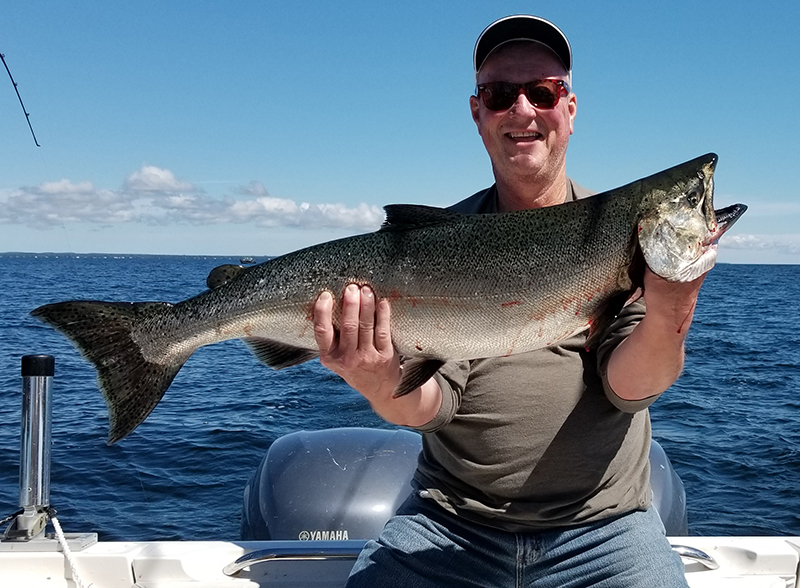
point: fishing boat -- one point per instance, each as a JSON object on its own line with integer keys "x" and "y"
{"x": 308, "y": 509}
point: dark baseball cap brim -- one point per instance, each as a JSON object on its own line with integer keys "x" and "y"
{"x": 522, "y": 27}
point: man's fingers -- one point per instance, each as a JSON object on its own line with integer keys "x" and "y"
{"x": 364, "y": 328}
{"x": 366, "y": 319}
{"x": 350, "y": 322}
{"x": 323, "y": 323}
{"x": 383, "y": 332}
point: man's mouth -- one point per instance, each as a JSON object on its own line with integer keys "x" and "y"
{"x": 524, "y": 135}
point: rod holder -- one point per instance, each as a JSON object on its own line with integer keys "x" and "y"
{"x": 35, "y": 446}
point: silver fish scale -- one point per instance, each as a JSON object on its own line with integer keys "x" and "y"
{"x": 478, "y": 286}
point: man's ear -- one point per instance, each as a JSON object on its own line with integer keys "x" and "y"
{"x": 475, "y": 106}
{"x": 573, "y": 112}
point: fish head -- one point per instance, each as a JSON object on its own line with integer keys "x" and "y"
{"x": 678, "y": 228}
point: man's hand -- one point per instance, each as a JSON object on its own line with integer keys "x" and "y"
{"x": 364, "y": 356}
{"x": 672, "y": 302}
{"x": 651, "y": 358}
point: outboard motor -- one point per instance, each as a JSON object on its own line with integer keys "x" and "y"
{"x": 669, "y": 495}
{"x": 333, "y": 484}
{"x": 340, "y": 484}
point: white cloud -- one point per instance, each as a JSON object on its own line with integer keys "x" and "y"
{"x": 782, "y": 244}
{"x": 268, "y": 211}
{"x": 65, "y": 186}
{"x": 153, "y": 195}
{"x": 54, "y": 203}
{"x": 155, "y": 179}
{"x": 265, "y": 207}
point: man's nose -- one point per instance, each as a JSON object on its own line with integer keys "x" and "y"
{"x": 522, "y": 105}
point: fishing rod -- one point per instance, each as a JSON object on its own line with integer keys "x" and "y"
{"x": 27, "y": 114}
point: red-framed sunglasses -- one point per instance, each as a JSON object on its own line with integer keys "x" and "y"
{"x": 542, "y": 94}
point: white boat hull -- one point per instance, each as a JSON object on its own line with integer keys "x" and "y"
{"x": 752, "y": 562}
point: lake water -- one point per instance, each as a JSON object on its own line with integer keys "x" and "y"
{"x": 731, "y": 424}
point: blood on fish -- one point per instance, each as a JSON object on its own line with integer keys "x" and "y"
{"x": 590, "y": 324}
{"x": 511, "y": 303}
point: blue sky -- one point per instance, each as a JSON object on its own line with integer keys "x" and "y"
{"x": 256, "y": 128}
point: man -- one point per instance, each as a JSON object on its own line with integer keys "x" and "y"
{"x": 534, "y": 469}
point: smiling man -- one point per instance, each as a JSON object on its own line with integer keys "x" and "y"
{"x": 526, "y": 142}
{"x": 534, "y": 469}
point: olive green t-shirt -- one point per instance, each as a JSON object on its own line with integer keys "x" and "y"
{"x": 537, "y": 440}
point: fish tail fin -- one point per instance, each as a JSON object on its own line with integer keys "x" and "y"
{"x": 131, "y": 385}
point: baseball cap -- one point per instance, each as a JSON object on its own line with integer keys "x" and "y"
{"x": 522, "y": 27}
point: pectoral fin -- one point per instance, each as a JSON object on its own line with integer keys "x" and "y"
{"x": 415, "y": 373}
{"x": 278, "y": 355}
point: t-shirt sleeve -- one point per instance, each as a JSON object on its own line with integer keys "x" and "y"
{"x": 622, "y": 326}
{"x": 452, "y": 379}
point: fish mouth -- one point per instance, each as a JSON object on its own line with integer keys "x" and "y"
{"x": 725, "y": 218}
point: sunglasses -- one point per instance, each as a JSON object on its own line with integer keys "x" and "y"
{"x": 542, "y": 94}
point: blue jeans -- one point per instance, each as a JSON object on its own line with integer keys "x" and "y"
{"x": 423, "y": 546}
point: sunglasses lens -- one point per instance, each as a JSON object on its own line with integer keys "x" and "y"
{"x": 543, "y": 94}
{"x": 500, "y": 95}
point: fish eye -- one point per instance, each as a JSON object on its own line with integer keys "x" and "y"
{"x": 693, "y": 198}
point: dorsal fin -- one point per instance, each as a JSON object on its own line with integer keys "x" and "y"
{"x": 411, "y": 216}
{"x": 222, "y": 274}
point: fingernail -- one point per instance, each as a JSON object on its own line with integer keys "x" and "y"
{"x": 367, "y": 291}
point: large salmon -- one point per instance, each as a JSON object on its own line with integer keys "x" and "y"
{"x": 461, "y": 287}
